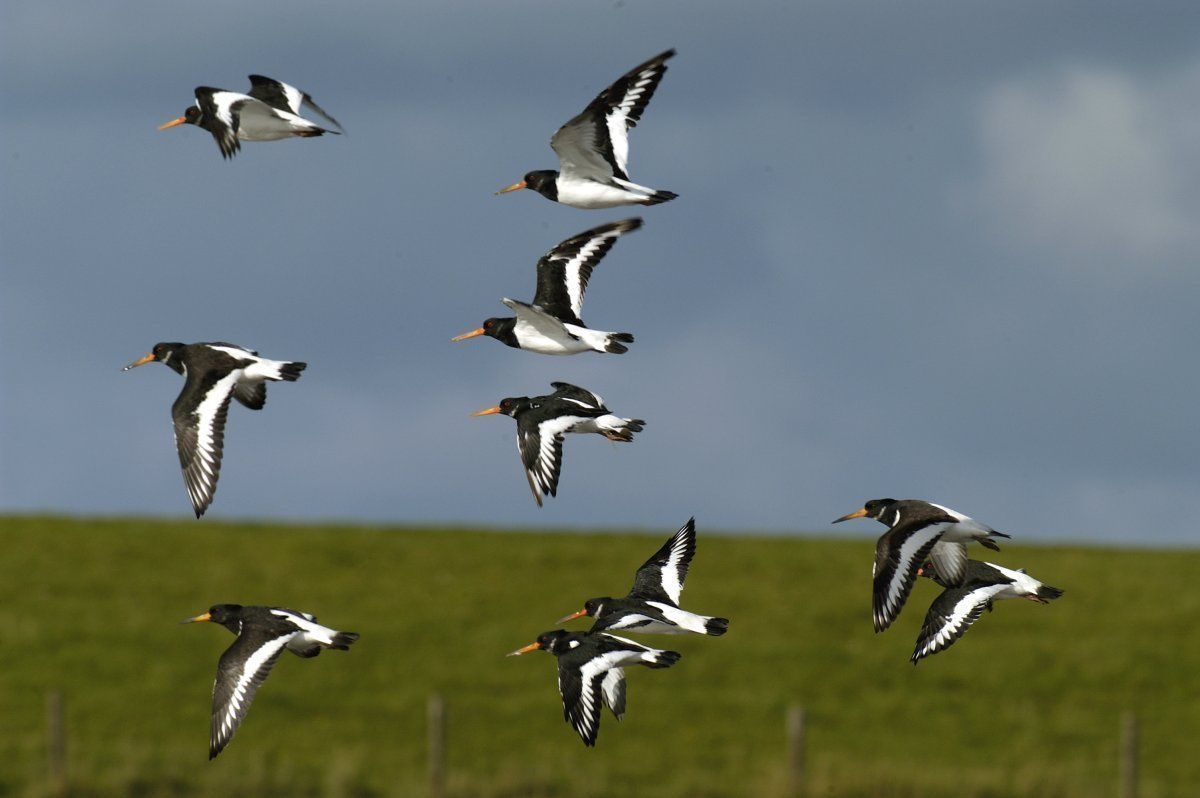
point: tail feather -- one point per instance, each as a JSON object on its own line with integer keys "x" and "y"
{"x": 1047, "y": 593}
{"x": 342, "y": 640}
{"x": 716, "y": 626}
{"x": 291, "y": 371}
{"x": 664, "y": 659}
{"x": 624, "y": 433}
{"x": 612, "y": 346}
{"x": 659, "y": 197}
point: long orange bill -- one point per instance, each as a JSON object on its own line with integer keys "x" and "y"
{"x": 172, "y": 123}
{"x": 855, "y": 514}
{"x": 488, "y": 412}
{"x": 513, "y": 187}
{"x": 140, "y": 361}
{"x": 572, "y": 616}
{"x": 205, "y": 617}
{"x": 467, "y": 335}
{"x": 524, "y": 650}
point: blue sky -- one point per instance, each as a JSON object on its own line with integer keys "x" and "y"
{"x": 922, "y": 250}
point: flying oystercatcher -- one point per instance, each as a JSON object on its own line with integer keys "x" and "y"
{"x": 962, "y": 603}
{"x": 213, "y": 372}
{"x": 262, "y": 635}
{"x": 590, "y": 670}
{"x": 653, "y": 603}
{"x": 593, "y": 148}
{"x": 552, "y": 324}
{"x": 270, "y": 111}
{"x": 543, "y": 420}
{"x": 917, "y": 530}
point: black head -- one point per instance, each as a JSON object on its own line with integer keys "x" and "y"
{"x": 502, "y": 329}
{"x": 227, "y": 615}
{"x": 872, "y": 509}
{"x": 165, "y": 353}
{"x": 555, "y": 642}
{"x": 541, "y": 181}
{"x": 192, "y": 116}
{"x": 509, "y": 406}
{"x": 593, "y": 607}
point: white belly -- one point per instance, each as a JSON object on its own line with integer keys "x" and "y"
{"x": 590, "y": 194}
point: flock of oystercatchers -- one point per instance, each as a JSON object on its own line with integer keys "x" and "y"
{"x": 923, "y": 539}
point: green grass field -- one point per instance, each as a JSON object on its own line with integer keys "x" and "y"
{"x": 1027, "y": 704}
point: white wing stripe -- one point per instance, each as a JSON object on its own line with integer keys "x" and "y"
{"x": 253, "y": 664}
{"x": 908, "y": 550}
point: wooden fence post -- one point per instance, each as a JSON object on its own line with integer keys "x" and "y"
{"x": 1128, "y": 754}
{"x": 56, "y": 742}
{"x": 436, "y": 713}
{"x": 795, "y": 748}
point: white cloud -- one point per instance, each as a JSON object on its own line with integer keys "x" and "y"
{"x": 1093, "y": 164}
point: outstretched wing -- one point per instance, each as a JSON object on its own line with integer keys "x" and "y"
{"x": 199, "y": 415}
{"x": 595, "y": 144}
{"x": 563, "y": 272}
{"x": 898, "y": 554}
{"x": 242, "y": 668}
{"x": 285, "y": 97}
{"x": 661, "y": 577}
{"x": 540, "y": 445}
{"x": 220, "y": 110}
{"x": 951, "y": 614}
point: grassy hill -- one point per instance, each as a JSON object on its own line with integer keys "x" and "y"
{"x": 1027, "y": 704}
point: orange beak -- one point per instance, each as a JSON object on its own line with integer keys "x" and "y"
{"x": 205, "y": 617}
{"x": 173, "y": 123}
{"x": 524, "y": 650}
{"x": 513, "y": 187}
{"x": 488, "y": 412}
{"x": 140, "y": 361}
{"x": 855, "y": 514}
{"x": 573, "y": 616}
{"x": 467, "y": 335}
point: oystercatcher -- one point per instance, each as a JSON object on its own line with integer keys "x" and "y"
{"x": 962, "y": 603}
{"x": 653, "y": 603}
{"x": 915, "y": 528}
{"x": 213, "y": 372}
{"x": 590, "y": 671}
{"x": 270, "y": 111}
{"x": 593, "y": 148}
{"x": 262, "y": 635}
{"x": 543, "y": 420}
{"x": 552, "y": 324}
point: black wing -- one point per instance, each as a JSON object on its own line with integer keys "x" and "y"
{"x": 541, "y": 444}
{"x": 901, "y": 551}
{"x": 285, "y": 97}
{"x": 242, "y": 668}
{"x": 219, "y": 114}
{"x": 251, "y": 394}
{"x": 199, "y": 415}
{"x": 581, "y": 699}
{"x": 596, "y": 142}
{"x": 563, "y": 272}
{"x": 589, "y": 399}
{"x": 661, "y": 577}
{"x": 951, "y": 614}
